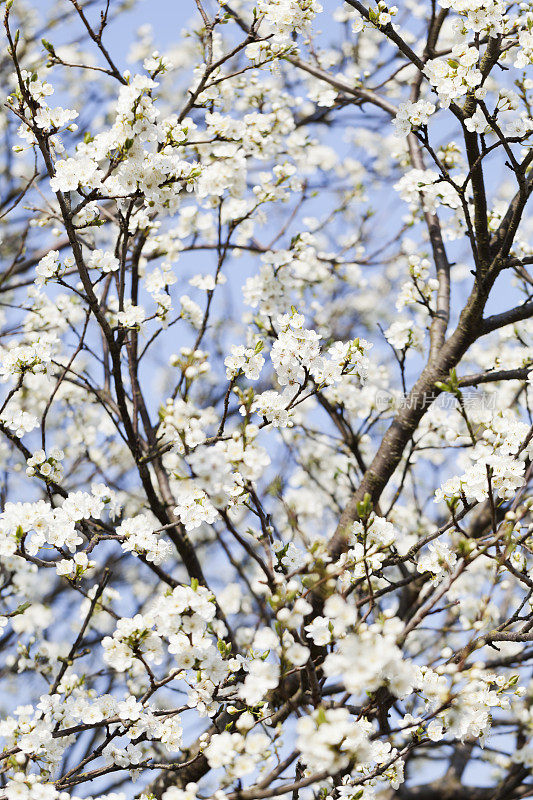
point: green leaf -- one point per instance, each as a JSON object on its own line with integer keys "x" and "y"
{"x": 49, "y": 47}
{"x": 20, "y": 609}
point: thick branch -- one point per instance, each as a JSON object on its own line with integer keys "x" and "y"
{"x": 516, "y": 314}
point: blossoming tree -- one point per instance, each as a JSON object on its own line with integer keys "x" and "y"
{"x": 266, "y": 437}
